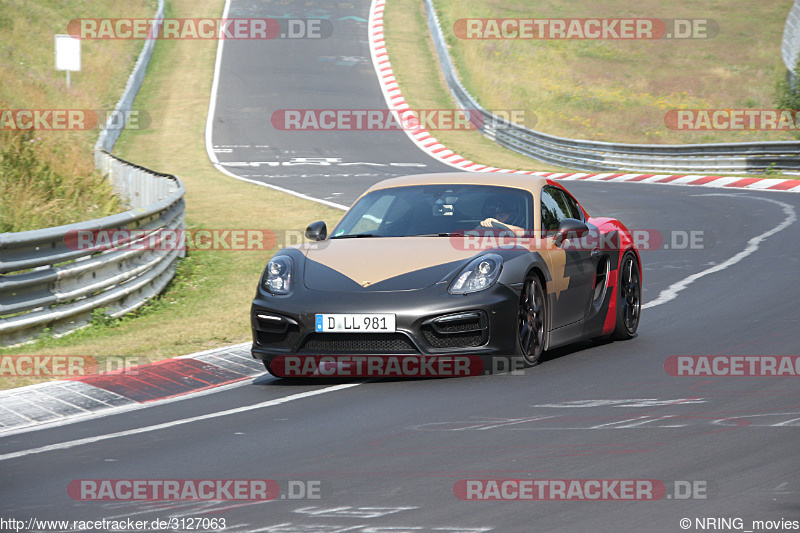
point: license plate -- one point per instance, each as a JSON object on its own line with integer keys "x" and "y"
{"x": 356, "y": 323}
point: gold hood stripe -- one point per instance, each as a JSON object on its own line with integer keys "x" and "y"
{"x": 373, "y": 260}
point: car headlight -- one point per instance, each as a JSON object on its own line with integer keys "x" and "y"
{"x": 279, "y": 275}
{"x": 479, "y": 274}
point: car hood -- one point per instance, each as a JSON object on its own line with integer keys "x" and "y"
{"x": 381, "y": 263}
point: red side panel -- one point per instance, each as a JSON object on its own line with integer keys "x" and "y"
{"x": 626, "y": 243}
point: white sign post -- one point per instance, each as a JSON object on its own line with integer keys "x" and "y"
{"x": 68, "y": 54}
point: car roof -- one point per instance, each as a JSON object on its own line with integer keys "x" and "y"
{"x": 500, "y": 179}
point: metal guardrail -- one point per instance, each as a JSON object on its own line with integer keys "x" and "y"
{"x": 48, "y": 283}
{"x": 727, "y": 158}
{"x": 790, "y": 49}
{"x": 110, "y": 133}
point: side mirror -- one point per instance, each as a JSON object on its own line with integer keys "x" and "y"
{"x": 317, "y": 231}
{"x": 570, "y": 228}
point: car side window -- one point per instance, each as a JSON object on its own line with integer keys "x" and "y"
{"x": 574, "y": 208}
{"x": 554, "y": 209}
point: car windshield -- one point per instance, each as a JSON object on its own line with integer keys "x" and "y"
{"x": 435, "y": 210}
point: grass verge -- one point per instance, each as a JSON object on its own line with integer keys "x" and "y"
{"x": 416, "y": 68}
{"x": 620, "y": 90}
{"x": 592, "y": 90}
{"x": 207, "y": 305}
{"x": 47, "y": 177}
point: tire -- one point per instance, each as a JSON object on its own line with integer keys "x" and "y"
{"x": 531, "y": 320}
{"x": 629, "y": 298}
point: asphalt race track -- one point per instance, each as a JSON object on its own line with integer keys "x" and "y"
{"x": 388, "y": 453}
{"x": 258, "y": 79}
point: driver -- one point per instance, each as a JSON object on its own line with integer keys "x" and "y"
{"x": 505, "y": 211}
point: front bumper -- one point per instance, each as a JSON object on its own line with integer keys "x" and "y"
{"x": 430, "y": 322}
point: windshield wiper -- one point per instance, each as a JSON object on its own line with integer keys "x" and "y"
{"x": 355, "y": 236}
